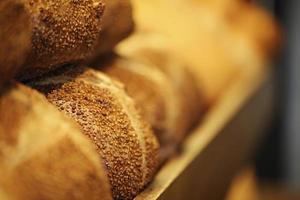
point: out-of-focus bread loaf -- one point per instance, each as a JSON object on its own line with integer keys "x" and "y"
{"x": 15, "y": 36}
{"x": 43, "y": 154}
{"x": 117, "y": 24}
{"x": 109, "y": 118}
{"x": 218, "y": 40}
{"x": 154, "y": 50}
{"x": 191, "y": 102}
{"x": 249, "y": 21}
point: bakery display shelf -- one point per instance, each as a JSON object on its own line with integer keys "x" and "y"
{"x": 224, "y": 141}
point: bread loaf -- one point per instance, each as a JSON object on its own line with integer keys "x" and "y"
{"x": 64, "y": 31}
{"x": 109, "y": 118}
{"x": 43, "y": 154}
{"x": 117, "y": 24}
{"x": 191, "y": 103}
{"x": 163, "y": 89}
{"x": 154, "y": 95}
{"x": 15, "y": 35}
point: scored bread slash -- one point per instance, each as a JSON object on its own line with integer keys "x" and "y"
{"x": 109, "y": 118}
{"x": 154, "y": 95}
{"x": 50, "y": 161}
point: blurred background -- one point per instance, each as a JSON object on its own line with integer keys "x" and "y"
{"x": 275, "y": 173}
{"x": 224, "y": 39}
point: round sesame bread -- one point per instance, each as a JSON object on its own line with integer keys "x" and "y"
{"x": 64, "y": 31}
{"x": 117, "y": 24}
{"x": 15, "y": 35}
{"x": 109, "y": 118}
{"x": 43, "y": 154}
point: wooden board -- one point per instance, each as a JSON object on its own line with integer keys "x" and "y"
{"x": 224, "y": 141}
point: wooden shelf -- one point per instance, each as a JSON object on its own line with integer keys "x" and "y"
{"x": 225, "y": 140}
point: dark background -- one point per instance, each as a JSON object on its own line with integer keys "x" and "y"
{"x": 279, "y": 158}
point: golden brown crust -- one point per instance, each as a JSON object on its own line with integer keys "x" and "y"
{"x": 109, "y": 118}
{"x": 15, "y": 35}
{"x": 43, "y": 155}
{"x": 117, "y": 24}
{"x": 154, "y": 96}
{"x": 152, "y": 92}
{"x": 64, "y": 31}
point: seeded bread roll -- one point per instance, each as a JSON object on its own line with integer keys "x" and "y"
{"x": 15, "y": 35}
{"x": 117, "y": 24}
{"x": 64, "y": 31}
{"x": 43, "y": 155}
{"x": 154, "y": 95}
{"x": 109, "y": 118}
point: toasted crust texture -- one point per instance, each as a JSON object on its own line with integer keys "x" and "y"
{"x": 43, "y": 154}
{"x": 64, "y": 31}
{"x": 109, "y": 118}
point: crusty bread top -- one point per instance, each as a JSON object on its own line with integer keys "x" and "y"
{"x": 109, "y": 118}
{"x": 43, "y": 154}
{"x": 152, "y": 91}
{"x": 19, "y": 107}
{"x": 64, "y": 31}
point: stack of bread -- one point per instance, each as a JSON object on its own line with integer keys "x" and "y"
{"x": 84, "y": 117}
